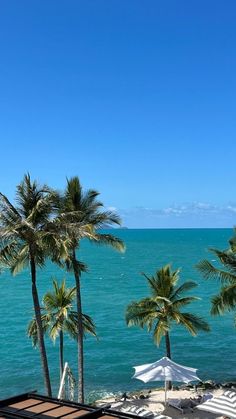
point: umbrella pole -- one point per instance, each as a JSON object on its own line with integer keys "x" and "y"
{"x": 165, "y": 391}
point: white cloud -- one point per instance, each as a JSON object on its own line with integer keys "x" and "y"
{"x": 194, "y": 214}
{"x": 203, "y": 205}
{"x": 191, "y": 208}
{"x": 231, "y": 208}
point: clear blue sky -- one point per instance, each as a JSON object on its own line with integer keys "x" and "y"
{"x": 136, "y": 97}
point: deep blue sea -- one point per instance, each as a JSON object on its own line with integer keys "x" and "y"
{"x": 113, "y": 281}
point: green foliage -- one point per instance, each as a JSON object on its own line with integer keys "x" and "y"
{"x": 81, "y": 214}
{"x": 164, "y": 307}
{"x": 225, "y": 272}
{"x": 28, "y": 229}
{"x": 59, "y": 315}
{"x": 44, "y": 224}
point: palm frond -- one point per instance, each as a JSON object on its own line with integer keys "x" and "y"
{"x": 181, "y": 302}
{"x": 163, "y": 282}
{"x": 186, "y": 286}
{"x": 217, "y": 306}
{"x": 56, "y": 326}
{"x": 32, "y": 331}
{"x": 110, "y": 240}
{"x": 209, "y": 271}
{"x": 6, "y": 206}
{"x": 89, "y": 325}
{"x": 225, "y": 301}
{"x": 142, "y": 313}
{"x": 161, "y": 328}
{"x": 192, "y": 322}
{"x": 227, "y": 258}
{"x": 20, "y": 261}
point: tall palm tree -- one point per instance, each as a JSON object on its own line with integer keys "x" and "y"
{"x": 164, "y": 307}
{"x": 225, "y": 271}
{"x": 59, "y": 317}
{"x": 82, "y": 215}
{"x": 27, "y": 238}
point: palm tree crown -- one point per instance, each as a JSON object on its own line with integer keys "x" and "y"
{"x": 30, "y": 228}
{"x": 22, "y": 230}
{"x": 83, "y": 215}
{"x": 59, "y": 317}
{"x": 225, "y": 272}
{"x": 164, "y": 307}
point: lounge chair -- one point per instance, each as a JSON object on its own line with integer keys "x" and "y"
{"x": 206, "y": 396}
{"x": 200, "y": 399}
{"x": 181, "y": 404}
{"x": 185, "y": 404}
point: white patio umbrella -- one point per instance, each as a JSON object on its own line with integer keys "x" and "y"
{"x": 165, "y": 370}
{"x": 223, "y": 405}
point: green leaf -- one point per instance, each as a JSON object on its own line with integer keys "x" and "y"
{"x": 163, "y": 308}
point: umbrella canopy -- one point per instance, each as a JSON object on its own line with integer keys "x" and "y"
{"x": 223, "y": 405}
{"x": 165, "y": 370}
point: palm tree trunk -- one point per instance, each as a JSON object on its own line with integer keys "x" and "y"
{"x": 80, "y": 331}
{"x": 167, "y": 338}
{"x": 168, "y": 354}
{"x": 61, "y": 354}
{"x": 41, "y": 343}
{"x": 61, "y": 360}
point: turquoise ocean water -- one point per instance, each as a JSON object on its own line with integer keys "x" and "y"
{"x": 112, "y": 282}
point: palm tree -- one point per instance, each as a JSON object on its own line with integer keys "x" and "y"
{"x": 27, "y": 237}
{"x": 163, "y": 307}
{"x": 82, "y": 215}
{"x": 59, "y": 318}
{"x": 224, "y": 271}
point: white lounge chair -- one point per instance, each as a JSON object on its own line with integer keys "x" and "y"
{"x": 176, "y": 403}
{"x": 181, "y": 404}
{"x": 186, "y": 404}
